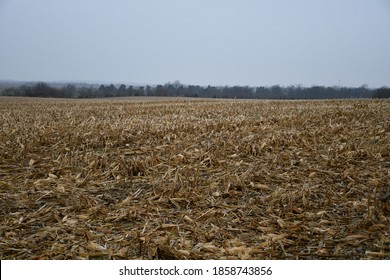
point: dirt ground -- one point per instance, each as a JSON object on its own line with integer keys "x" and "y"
{"x": 194, "y": 179}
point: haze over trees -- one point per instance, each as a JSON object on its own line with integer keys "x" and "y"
{"x": 176, "y": 89}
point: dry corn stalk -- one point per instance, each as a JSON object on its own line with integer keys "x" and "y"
{"x": 194, "y": 179}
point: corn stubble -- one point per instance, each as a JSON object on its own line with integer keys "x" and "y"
{"x": 194, "y": 179}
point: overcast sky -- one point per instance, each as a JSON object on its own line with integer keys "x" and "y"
{"x": 216, "y": 42}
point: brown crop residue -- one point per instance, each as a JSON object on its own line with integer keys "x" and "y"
{"x": 194, "y": 179}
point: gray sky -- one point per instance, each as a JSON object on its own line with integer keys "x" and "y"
{"x": 216, "y": 42}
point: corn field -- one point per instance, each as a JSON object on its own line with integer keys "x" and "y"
{"x": 155, "y": 178}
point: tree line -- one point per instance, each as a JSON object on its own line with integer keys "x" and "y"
{"x": 176, "y": 89}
